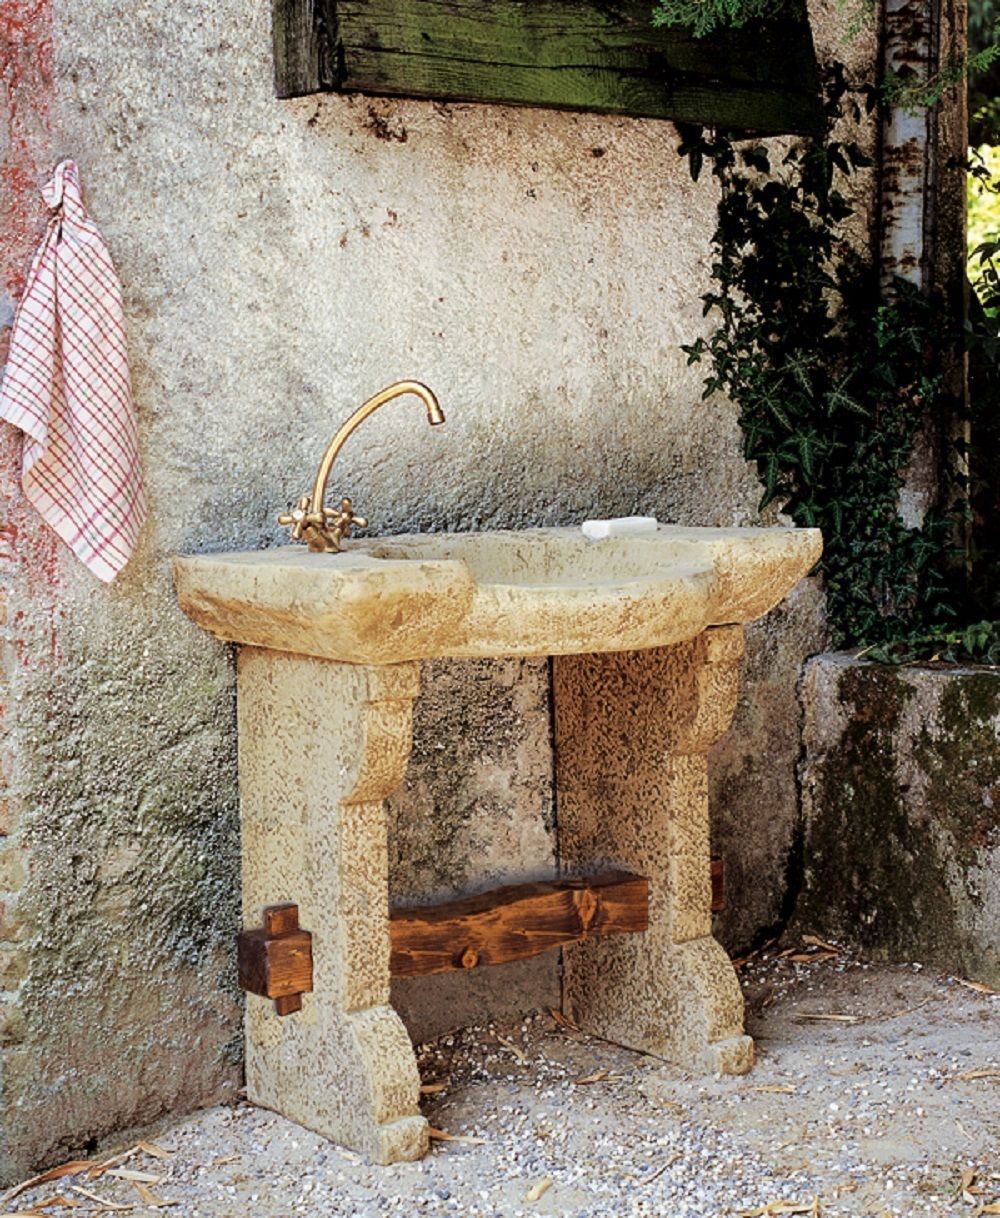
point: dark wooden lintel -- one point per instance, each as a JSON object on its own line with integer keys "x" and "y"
{"x": 514, "y": 922}
{"x": 564, "y": 54}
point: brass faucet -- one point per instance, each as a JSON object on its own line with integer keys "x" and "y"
{"x": 321, "y": 527}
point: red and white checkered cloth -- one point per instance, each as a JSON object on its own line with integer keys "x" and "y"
{"x": 67, "y": 387}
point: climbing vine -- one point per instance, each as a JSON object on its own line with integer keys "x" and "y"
{"x": 834, "y": 378}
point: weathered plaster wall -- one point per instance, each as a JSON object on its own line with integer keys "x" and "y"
{"x": 281, "y": 261}
{"x": 901, "y": 787}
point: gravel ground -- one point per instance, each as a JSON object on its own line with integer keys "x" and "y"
{"x": 891, "y": 1109}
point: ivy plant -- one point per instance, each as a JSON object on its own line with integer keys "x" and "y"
{"x": 833, "y": 378}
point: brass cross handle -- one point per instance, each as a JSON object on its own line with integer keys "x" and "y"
{"x": 343, "y": 521}
{"x": 324, "y": 530}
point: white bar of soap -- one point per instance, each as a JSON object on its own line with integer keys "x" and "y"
{"x": 620, "y": 526}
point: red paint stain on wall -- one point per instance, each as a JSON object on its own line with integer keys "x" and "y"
{"x": 26, "y": 85}
{"x": 26, "y": 94}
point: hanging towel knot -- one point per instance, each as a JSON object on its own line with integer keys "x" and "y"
{"x": 66, "y": 385}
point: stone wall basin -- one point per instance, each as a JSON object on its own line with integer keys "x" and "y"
{"x": 647, "y": 634}
{"x": 526, "y": 592}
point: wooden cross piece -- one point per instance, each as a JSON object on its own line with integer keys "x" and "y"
{"x": 276, "y": 962}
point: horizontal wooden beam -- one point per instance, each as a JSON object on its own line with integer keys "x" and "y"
{"x": 599, "y": 55}
{"x": 514, "y": 922}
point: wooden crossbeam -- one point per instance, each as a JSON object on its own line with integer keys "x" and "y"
{"x": 514, "y": 922}
{"x": 509, "y": 923}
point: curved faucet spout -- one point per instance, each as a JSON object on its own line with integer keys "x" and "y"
{"x": 324, "y": 528}
{"x": 434, "y": 416}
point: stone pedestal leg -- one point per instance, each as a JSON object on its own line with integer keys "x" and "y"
{"x": 632, "y": 731}
{"x": 320, "y": 747}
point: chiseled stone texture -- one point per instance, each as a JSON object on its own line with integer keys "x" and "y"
{"x": 509, "y": 592}
{"x": 540, "y": 590}
{"x": 632, "y": 731}
{"x": 280, "y": 261}
{"x": 321, "y": 745}
{"x": 901, "y": 788}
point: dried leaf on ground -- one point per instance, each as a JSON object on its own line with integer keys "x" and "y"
{"x": 562, "y": 1020}
{"x": 816, "y": 941}
{"x": 597, "y": 1077}
{"x": 978, "y": 986}
{"x": 518, "y": 1052}
{"x": 433, "y": 1088}
{"x": 831, "y": 1018}
{"x": 101, "y": 1201}
{"x": 986, "y": 1072}
{"x": 812, "y": 957}
{"x": 152, "y": 1148}
{"x": 72, "y": 1168}
{"x": 777, "y": 1088}
{"x": 223, "y": 1160}
{"x": 102, "y": 1165}
{"x": 538, "y": 1189}
{"x": 58, "y": 1199}
{"x": 992, "y": 1208}
{"x": 140, "y": 1177}
{"x": 784, "y": 1207}
{"x": 658, "y": 1171}
{"x": 440, "y": 1135}
{"x": 968, "y": 1178}
{"x": 149, "y": 1198}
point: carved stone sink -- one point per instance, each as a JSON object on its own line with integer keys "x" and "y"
{"x": 647, "y": 635}
{"x": 530, "y": 592}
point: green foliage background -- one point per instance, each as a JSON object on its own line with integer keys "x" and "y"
{"x": 703, "y": 16}
{"x": 834, "y": 377}
{"x": 984, "y": 200}
{"x": 984, "y": 87}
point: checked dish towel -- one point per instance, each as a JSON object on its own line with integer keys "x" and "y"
{"x": 67, "y": 387}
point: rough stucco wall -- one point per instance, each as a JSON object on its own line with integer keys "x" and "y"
{"x": 901, "y": 779}
{"x": 753, "y": 789}
{"x": 281, "y": 260}
{"x": 129, "y": 825}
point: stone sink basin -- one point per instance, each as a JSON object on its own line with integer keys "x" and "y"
{"x": 527, "y": 592}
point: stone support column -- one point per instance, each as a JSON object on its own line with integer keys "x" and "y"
{"x": 321, "y": 745}
{"x": 631, "y": 737}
